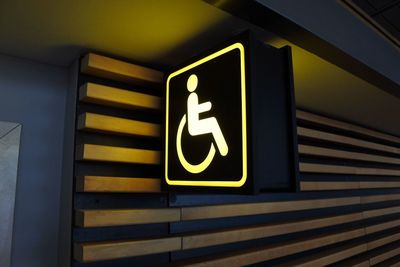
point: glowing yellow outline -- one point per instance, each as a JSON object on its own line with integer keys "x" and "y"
{"x": 244, "y": 125}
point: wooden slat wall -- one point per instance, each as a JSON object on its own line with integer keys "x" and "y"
{"x": 347, "y": 212}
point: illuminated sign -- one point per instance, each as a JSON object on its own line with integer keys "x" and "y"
{"x": 207, "y": 125}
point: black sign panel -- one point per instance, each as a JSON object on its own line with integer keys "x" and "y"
{"x": 230, "y": 121}
{"x": 206, "y": 142}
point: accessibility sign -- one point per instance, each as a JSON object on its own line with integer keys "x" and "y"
{"x": 230, "y": 121}
{"x": 206, "y": 130}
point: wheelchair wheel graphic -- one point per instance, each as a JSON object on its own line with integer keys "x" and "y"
{"x": 192, "y": 168}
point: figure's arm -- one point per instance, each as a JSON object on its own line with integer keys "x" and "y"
{"x": 203, "y": 107}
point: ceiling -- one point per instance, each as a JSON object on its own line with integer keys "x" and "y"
{"x": 151, "y": 31}
{"x": 386, "y": 13}
{"x": 327, "y": 89}
{"x": 165, "y": 32}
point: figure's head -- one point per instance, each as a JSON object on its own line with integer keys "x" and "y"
{"x": 192, "y": 83}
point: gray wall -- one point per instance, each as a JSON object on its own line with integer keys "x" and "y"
{"x": 34, "y": 95}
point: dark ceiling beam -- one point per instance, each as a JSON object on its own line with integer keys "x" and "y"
{"x": 262, "y": 16}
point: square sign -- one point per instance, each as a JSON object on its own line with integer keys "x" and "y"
{"x": 230, "y": 121}
{"x": 206, "y": 128}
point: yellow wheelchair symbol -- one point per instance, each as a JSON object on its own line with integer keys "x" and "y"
{"x": 197, "y": 126}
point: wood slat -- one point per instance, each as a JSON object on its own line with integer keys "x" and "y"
{"x": 379, "y": 198}
{"x": 114, "y": 125}
{"x": 331, "y": 256}
{"x": 381, "y": 212}
{"x": 115, "y": 97}
{"x": 91, "y": 218}
{"x": 383, "y": 241}
{"x": 97, "y": 251}
{"x": 345, "y": 126}
{"x": 119, "y": 249}
{"x": 361, "y": 264}
{"x": 339, "y": 169}
{"x": 337, "y": 254}
{"x": 395, "y": 264}
{"x": 382, "y": 184}
{"x": 272, "y": 252}
{"x": 118, "y": 70}
{"x": 243, "y": 234}
{"x": 231, "y": 210}
{"x": 117, "y": 154}
{"x": 321, "y": 186}
{"x": 384, "y": 256}
{"x": 340, "y": 185}
{"x": 382, "y": 226}
{"x": 117, "y": 184}
{"x": 315, "y": 134}
{"x": 357, "y": 263}
{"x": 334, "y": 153}
{"x": 99, "y": 218}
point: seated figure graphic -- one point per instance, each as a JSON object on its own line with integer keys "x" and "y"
{"x": 197, "y": 126}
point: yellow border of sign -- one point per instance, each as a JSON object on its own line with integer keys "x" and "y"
{"x": 244, "y": 125}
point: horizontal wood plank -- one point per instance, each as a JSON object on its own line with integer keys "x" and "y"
{"x": 356, "y": 263}
{"x": 341, "y": 154}
{"x": 115, "y": 97}
{"x": 272, "y": 252}
{"x": 381, "y": 212}
{"x": 307, "y": 116}
{"x": 326, "y": 257}
{"x": 322, "y": 186}
{"x": 117, "y": 154}
{"x": 315, "y": 134}
{"x": 379, "y": 184}
{"x": 380, "y": 198}
{"x": 117, "y": 184}
{"x": 383, "y": 241}
{"x": 339, "y": 169}
{"x": 384, "y": 256}
{"x": 362, "y": 264}
{"x": 114, "y": 125}
{"x": 231, "y": 210}
{"x": 118, "y": 70}
{"x": 382, "y": 226}
{"x": 100, "y": 218}
{"x": 243, "y": 234}
{"x": 349, "y": 185}
{"x": 97, "y": 251}
{"x": 331, "y": 256}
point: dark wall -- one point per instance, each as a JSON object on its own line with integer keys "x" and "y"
{"x": 34, "y": 95}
